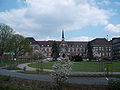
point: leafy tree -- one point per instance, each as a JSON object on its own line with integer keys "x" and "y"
{"x": 20, "y": 45}
{"x": 89, "y": 53}
{"x": 55, "y": 51}
{"x": 6, "y": 33}
{"x": 62, "y": 68}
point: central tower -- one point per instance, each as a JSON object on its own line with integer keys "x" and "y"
{"x": 63, "y": 46}
{"x": 63, "y": 35}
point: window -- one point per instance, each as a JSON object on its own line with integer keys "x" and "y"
{"x": 99, "y": 48}
{"x": 109, "y": 54}
{"x": 80, "y": 45}
{"x": 80, "y": 49}
{"x": 68, "y": 49}
{"x": 96, "y": 49}
{"x": 77, "y": 45}
{"x": 102, "y": 48}
{"x": 76, "y": 49}
{"x": 109, "y": 49}
{"x": 106, "y": 54}
{"x": 100, "y": 54}
{"x": 103, "y": 54}
{"x": 73, "y": 49}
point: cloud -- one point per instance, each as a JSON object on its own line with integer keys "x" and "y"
{"x": 117, "y": 3}
{"x": 82, "y": 38}
{"x": 48, "y": 38}
{"x": 104, "y": 2}
{"x": 47, "y": 17}
{"x": 112, "y": 28}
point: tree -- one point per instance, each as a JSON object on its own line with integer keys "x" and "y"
{"x": 62, "y": 68}
{"x": 55, "y": 51}
{"x": 6, "y": 33}
{"x": 89, "y": 52}
{"x": 20, "y": 45}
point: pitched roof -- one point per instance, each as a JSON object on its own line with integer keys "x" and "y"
{"x": 46, "y": 43}
{"x": 100, "y": 41}
{"x": 70, "y": 43}
{"x": 32, "y": 40}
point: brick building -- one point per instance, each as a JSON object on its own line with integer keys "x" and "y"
{"x": 115, "y": 48}
{"x": 65, "y": 47}
{"x": 100, "y": 46}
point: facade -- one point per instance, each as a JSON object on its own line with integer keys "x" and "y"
{"x": 115, "y": 48}
{"x": 101, "y": 47}
{"x": 65, "y": 47}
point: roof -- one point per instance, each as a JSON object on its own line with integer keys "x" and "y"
{"x": 115, "y": 40}
{"x": 100, "y": 41}
{"x": 45, "y": 43}
{"x": 70, "y": 43}
{"x": 32, "y": 40}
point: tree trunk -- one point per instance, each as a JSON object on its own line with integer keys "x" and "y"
{"x": 1, "y": 54}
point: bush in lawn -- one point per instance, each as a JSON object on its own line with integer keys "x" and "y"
{"x": 106, "y": 59}
{"x": 24, "y": 68}
{"x": 76, "y": 58}
{"x": 114, "y": 84}
{"x": 62, "y": 69}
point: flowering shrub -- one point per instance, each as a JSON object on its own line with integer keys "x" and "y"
{"x": 62, "y": 69}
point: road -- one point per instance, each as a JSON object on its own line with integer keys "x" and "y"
{"x": 41, "y": 77}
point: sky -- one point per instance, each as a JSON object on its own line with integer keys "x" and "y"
{"x": 81, "y": 20}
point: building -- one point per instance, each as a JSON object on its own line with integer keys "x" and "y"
{"x": 101, "y": 47}
{"x": 115, "y": 48}
{"x": 65, "y": 47}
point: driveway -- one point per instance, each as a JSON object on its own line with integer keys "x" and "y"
{"x": 41, "y": 77}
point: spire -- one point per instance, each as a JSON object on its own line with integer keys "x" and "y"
{"x": 63, "y": 35}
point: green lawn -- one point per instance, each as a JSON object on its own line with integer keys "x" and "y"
{"x": 8, "y": 62}
{"x": 81, "y": 66}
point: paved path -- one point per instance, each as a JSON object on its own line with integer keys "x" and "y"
{"x": 21, "y": 66}
{"x": 41, "y": 77}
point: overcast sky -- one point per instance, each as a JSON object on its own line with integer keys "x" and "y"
{"x": 82, "y": 20}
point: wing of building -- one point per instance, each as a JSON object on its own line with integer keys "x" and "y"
{"x": 101, "y": 47}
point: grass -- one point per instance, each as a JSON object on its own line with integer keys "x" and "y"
{"x": 81, "y": 66}
{"x": 46, "y": 65}
{"x": 35, "y": 72}
{"x": 9, "y": 62}
{"x": 13, "y": 83}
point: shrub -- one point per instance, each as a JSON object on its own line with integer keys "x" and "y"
{"x": 24, "y": 68}
{"x": 106, "y": 59}
{"x": 77, "y": 58}
{"x": 114, "y": 84}
{"x": 62, "y": 68}
{"x": 37, "y": 70}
